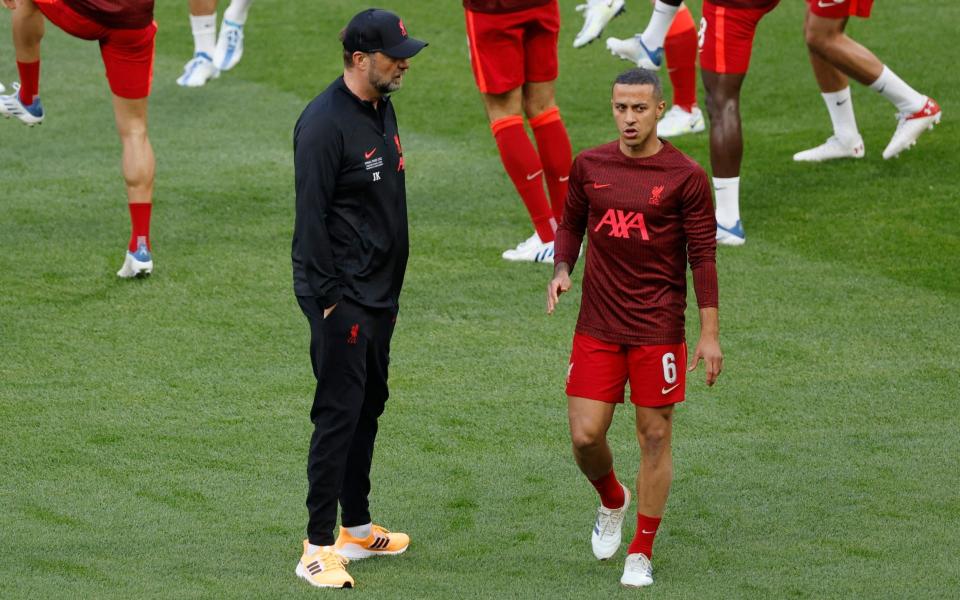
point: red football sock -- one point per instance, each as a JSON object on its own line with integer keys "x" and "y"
{"x": 139, "y": 224}
{"x": 556, "y": 155}
{"x": 525, "y": 170}
{"x": 646, "y": 531}
{"x": 610, "y": 490}
{"x": 680, "y": 48}
{"x": 29, "y": 81}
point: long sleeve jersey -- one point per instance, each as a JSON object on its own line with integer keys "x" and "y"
{"x": 644, "y": 218}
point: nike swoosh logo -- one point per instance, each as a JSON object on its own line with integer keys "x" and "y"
{"x": 367, "y": 155}
{"x": 532, "y": 176}
{"x": 842, "y": 102}
{"x": 598, "y": 186}
{"x": 645, "y": 532}
{"x": 666, "y": 391}
{"x": 823, "y": 4}
{"x": 565, "y": 178}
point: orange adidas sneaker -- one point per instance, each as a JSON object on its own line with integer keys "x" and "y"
{"x": 324, "y": 568}
{"x": 380, "y": 542}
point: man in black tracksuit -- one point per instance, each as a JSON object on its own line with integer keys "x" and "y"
{"x": 350, "y": 248}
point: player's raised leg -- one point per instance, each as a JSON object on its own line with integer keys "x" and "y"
{"x": 28, "y": 29}
{"x": 203, "y": 24}
{"x": 596, "y": 15}
{"x": 916, "y": 112}
{"x": 139, "y": 167}
{"x": 646, "y": 49}
{"x": 654, "y": 432}
{"x": 680, "y": 49}
{"x": 229, "y": 48}
{"x": 589, "y": 422}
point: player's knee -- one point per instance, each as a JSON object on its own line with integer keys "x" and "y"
{"x": 586, "y": 439}
{"x": 535, "y": 106}
{"x": 819, "y": 39}
{"x": 654, "y": 439}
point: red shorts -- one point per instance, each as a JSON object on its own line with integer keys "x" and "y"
{"x": 840, "y": 9}
{"x": 127, "y": 53}
{"x": 600, "y": 370}
{"x": 726, "y": 37}
{"x": 510, "y": 49}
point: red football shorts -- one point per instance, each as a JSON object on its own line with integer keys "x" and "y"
{"x": 600, "y": 371}
{"x": 127, "y": 53}
{"x": 726, "y": 37}
{"x": 510, "y": 49}
{"x": 840, "y": 9}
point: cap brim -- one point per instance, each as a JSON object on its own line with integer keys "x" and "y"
{"x": 405, "y": 49}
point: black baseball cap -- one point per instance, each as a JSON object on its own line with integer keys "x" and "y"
{"x": 376, "y": 30}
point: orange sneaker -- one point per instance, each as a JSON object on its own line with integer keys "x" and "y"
{"x": 378, "y": 543}
{"x": 324, "y": 568}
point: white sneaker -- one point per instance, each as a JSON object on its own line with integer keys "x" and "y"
{"x": 596, "y": 15}
{"x": 909, "y": 128}
{"x": 11, "y": 106}
{"x": 831, "y": 149}
{"x": 678, "y": 122}
{"x": 637, "y": 571}
{"x": 198, "y": 71}
{"x": 229, "y": 45}
{"x": 731, "y": 236}
{"x": 605, "y": 538}
{"x": 632, "y": 49}
{"x": 531, "y": 250}
{"x": 136, "y": 264}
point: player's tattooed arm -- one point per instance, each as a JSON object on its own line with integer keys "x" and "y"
{"x": 708, "y": 348}
{"x": 558, "y": 285}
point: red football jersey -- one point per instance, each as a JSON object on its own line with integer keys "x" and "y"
{"x": 645, "y": 218}
{"x": 502, "y": 6}
{"x": 116, "y": 14}
{"x": 753, "y": 4}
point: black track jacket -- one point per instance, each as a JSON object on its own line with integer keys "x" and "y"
{"x": 350, "y": 237}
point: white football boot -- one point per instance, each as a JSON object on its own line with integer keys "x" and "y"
{"x": 632, "y": 49}
{"x": 679, "y": 122}
{"x": 596, "y": 15}
{"x": 11, "y": 106}
{"x": 909, "y": 128}
{"x": 637, "y": 571}
{"x": 137, "y": 264}
{"x": 731, "y": 236}
{"x": 229, "y": 45}
{"x": 198, "y": 71}
{"x": 2, "y": 89}
{"x": 530, "y": 250}
{"x": 606, "y": 536}
{"x": 832, "y": 149}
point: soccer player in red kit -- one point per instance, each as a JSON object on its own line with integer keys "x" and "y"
{"x": 834, "y": 57}
{"x": 126, "y": 32}
{"x": 513, "y": 51}
{"x": 646, "y": 209}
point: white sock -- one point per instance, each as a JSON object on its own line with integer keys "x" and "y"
{"x": 896, "y": 90}
{"x": 660, "y": 21}
{"x": 237, "y": 11}
{"x": 840, "y": 106}
{"x": 360, "y": 531}
{"x": 204, "y": 29}
{"x": 727, "y": 193}
{"x": 311, "y": 549}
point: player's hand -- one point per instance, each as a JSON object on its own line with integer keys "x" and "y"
{"x": 558, "y": 285}
{"x": 708, "y": 349}
{"x": 327, "y": 310}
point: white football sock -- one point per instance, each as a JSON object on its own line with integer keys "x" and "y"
{"x": 311, "y": 549}
{"x": 840, "y": 106}
{"x": 360, "y": 531}
{"x": 237, "y": 11}
{"x": 896, "y": 90}
{"x": 660, "y": 21}
{"x": 727, "y": 193}
{"x": 204, "y": 29}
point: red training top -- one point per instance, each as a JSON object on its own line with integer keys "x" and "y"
{"x": 645, "y": 217}
{"x": 115, "y": 14}
{"x": 502, "y": 6}
{"x": 751, "y": 4}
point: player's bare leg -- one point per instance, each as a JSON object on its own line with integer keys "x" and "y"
{"x": 654, "y": 434}
{"x": 28, "y": 27}
{"x": 203, "y": 23}
{"x": 827, "y": 39}
{"x": 589, "y": 422}
{"x": 726, "y": 151}
{"x": 523, "y": 166}
{"x": 139, "y": 167}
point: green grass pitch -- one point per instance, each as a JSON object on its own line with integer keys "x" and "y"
{"x": 153, "y": 433}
